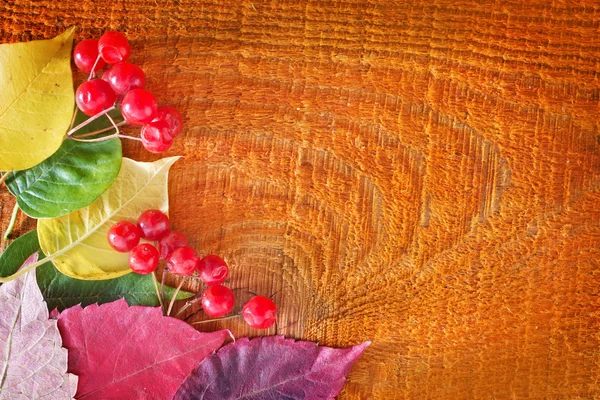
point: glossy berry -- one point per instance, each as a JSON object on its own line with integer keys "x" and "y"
{"x": 94, "y": 96}
{"x": 183, "y": 261}
{"x": 123, "y": 236}
{"x": 139, "y": 107}
{"x": 113, "y": 47}
{"x": 85, "y": 55}
{"x": 143, "y": 258}
{"x": 124, "y": 77}
{"x": 156, "y": 137}
{"x": 172, "y": 117}
{"x": 217, "y": 301}
{"x": 171, "y": 241}
{"x": 153, "y": 224}
{"x": 213, "y": 270}
{"x": 259, "y": 312}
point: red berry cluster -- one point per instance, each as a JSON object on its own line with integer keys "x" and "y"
{"x": 173, "y": 247}
{"x": 123, "y": 84}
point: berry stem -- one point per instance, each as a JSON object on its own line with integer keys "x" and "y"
{"x": 100, "y": 139}
{"x": 74, "y": 117}
{"x": 206, "y": 321}
{"x": 130, "y": 137}
{"x": 99, "y": 131}
{"x": 175, "y": 296}
{"x": 162, "y": 284}
{"x": 13, "y": 219}
{"x": 3, "y": 177}
{"x": 93, "y": 72}
{"x": 23, "y": 271}
{"x": 155, "y": 281}
{"x": 187, "y": 305}
{"x": 90, "y": 120}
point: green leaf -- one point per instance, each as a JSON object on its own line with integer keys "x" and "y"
{"x": 76, "y": 243}
{"x": 72, "y": 178}
{"x": 62, "y": 292}
{"x": 17, "y": 252}
{"x": 36, "y": 100}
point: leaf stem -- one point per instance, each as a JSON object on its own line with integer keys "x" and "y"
{"x": 90, "y": 120}
{"x": 155, "y": 281}
{"x": 3, "y": 177}
{"x": 206, "y": 321}
{"x": 23, "y": 271}
{"x": 175, "y": 296}
{"x": 13, "y": 219}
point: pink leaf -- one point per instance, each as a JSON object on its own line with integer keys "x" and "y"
{"x": 122, "y": 352}
{"x": 271, "y": 368}
{"x": 33, "y": 365}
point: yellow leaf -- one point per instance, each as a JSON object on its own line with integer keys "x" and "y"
{"x": 36, "y": 100}
{"x": 76, "y": 243}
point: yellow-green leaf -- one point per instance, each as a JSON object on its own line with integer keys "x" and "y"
{"x": 76, "y": 243}
{"x": 36, "y": 100}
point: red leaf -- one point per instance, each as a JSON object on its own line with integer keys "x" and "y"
{"x": 122, "y": 352}
{"x": 271, "y": 368}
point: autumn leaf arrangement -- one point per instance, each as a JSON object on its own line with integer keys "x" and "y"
{"x": 82, "y": 311}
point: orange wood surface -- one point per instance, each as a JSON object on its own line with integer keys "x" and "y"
{"x": 421, "y": 174}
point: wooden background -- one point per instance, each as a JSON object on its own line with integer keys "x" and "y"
{"x": 422, "y": 174}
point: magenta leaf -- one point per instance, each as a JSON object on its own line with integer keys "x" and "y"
{"x": 271, "y": 368}
{"x": 33, "y": 364}
{"x": 122, "y": 352}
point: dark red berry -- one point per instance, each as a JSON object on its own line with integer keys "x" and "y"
{"x": 156, "y": 137}
{"x": 217, "y": 301}
{"x": 259, "y": 312}
{"x": 139, "y": 107}
{"x": 143, "y": 258}
{"x": 213, "y": 270}
{"x": 183, "y": 261}
{"x": 85, "y": 55}
{"x": 123, "y": 236}
{"x": 94, "y": 96}
{"x": 171, "y": 241}
{"x": 124, "y": 77}
{"x": 153, "y": 224}
{"x": 113, "y": 47}
{"x": 172, "y": 117}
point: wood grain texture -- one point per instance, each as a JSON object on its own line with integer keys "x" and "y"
{"x": 422, "y": 174}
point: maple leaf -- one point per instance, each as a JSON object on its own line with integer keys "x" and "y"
{"x": 122, "y": 352}
{"x": 271, "y": 367}
{"x": 33, "y": 365}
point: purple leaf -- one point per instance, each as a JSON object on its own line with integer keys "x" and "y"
{"x": 270, "y": 368}
{"x": 33, "y": 365}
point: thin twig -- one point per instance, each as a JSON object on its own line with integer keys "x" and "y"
{"x": 3, "y": 177}
{"x": 99, "y": 131}
{"x": 13, "y": 219}
{"x": 174, "y": 297}
{"x": 89, "y": 120}
{"x": 155, "y": 281}
{"x": 206, "y": 321}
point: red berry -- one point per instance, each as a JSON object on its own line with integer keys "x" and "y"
{"x": 113, "y": 47}
{"x": 85, "y": 55}
{"x": 172, "y": 117}
{"x": 183, "y": 261}
{"x": 171, "y": 241}
{"x": 139, "y": 107}
{"x": 124, "y": 77}
{"x": 156, "y": 137}
{"x": 217, "y": 301}
{"x": 259, "y": 312}
{"x": 153, "y": 224}
{"x": 213, "y": 270}
{"x": 94, "y": 96}
{"x": 143, "y": 258}
{"x": 123, "y": 236}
